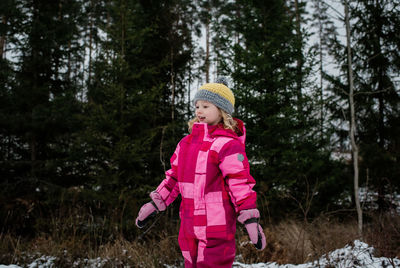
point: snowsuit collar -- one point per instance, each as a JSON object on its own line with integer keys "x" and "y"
{"x": 219, "y": 131}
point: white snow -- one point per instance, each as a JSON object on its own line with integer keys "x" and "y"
{"x": 358, "y": 255}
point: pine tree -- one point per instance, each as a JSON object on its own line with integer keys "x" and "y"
{"x": 40, "y": 104}
{"x": 325, "y": 31}
{"x": 11, "y": 21}
{"x": 374, "y": 46}
{"x": 135, "y": 114}
{"x": 377, "y": 47}
{"x": 270, "y": 68}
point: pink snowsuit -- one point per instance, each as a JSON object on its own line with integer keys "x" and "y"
{"x": 210, "y": 170}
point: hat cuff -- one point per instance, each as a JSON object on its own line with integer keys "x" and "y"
{"x": 215, "y": 99}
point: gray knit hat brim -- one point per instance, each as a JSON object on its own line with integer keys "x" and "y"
{"x": 215, "y": 99}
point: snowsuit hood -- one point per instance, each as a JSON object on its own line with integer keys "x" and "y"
{"x": 240, "y": 134}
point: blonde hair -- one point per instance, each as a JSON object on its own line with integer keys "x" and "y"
{"x": 227, "y": 121}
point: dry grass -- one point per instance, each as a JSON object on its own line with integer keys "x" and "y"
{"x": 299, "y": 242}
{"x": 383, "y": 232}
{"x": 68, "y": 253}
{"x": 152, "y": 253}
{"x": 287, "y": 242}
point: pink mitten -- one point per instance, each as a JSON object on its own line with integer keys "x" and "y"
{"x": 249, "y": 218}
{"x": 146, "y": 212}
{"x": 150, "y": 209}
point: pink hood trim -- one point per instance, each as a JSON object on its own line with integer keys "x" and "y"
{"x": 240, "y": 135}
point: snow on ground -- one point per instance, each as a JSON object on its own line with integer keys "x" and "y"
{"x": 355, "y": 256}
{"x": 358, "y": 255}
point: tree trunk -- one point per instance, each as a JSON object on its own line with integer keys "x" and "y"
{"x": 321, "y": 71}
{"x": 89, "y": 70}
{"x": 3, "y": 39}
{"x": 123, "y": 29}
{"x": 207, "y": 60}
{"x": 354, "y": 145}
{"x": 189, "y": 110}
{"x": 172, "y": 85}
{"x": 33, "y": 148}
{"x": 300, "y": 63}
{"x": 380, "y": 72}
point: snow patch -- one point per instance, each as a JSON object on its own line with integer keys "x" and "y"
{"x": 359, "y": 255}
{"x": 356, "y": 255}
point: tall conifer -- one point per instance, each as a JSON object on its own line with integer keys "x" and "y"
{"x": 375, "y": 53}
{"x": 135, "y": 116}
{"x": 268, "y": 62}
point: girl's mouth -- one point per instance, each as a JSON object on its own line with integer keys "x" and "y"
{"x": 201, "y": 118}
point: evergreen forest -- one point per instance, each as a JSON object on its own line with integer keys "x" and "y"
{"x": 95, "y": 95}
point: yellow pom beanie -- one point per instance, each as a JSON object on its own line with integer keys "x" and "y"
{"x": 218, "y": 94}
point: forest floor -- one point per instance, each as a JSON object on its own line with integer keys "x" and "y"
{"x": 324, "y": 242}
{"x": 355, "y": 255}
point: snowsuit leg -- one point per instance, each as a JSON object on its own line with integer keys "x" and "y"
{"x": 213, "y": 252}
{"x": 188, "y": 247}
{"x": 217, "y": 253}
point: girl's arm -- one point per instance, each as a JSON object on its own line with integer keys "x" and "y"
{"x": 235, "y": 168}
{"x": 163, "y": 196}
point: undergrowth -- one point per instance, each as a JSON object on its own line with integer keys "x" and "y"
{"x": 68, "y": 244}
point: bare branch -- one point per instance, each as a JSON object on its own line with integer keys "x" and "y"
{"x": 372, "y": 92}
{"x": 344, "y": 92}
{"x": 161, "y": 148}
{"x": 340, "y": 15}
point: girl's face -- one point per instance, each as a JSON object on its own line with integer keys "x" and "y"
{"x": 206, "y": 112}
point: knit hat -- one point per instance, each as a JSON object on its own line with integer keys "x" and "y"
{"x": 218, "y": 94}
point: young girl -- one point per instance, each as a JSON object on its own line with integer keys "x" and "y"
{"x": 210, "y": 170}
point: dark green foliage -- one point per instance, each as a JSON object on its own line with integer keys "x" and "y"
{"x": 269, "y": 70}
{"x": 375, "y": 46}
{"x": 40, "y": 107}
{"x": 130, "y": 109}
{"x": 133, "y": 118}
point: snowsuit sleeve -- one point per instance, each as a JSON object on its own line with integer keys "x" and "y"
{"x": 234, "y": 166}
{"x": 168, "y": 188}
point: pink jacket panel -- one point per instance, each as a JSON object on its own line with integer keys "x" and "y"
{"x": 210, "y": 170}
